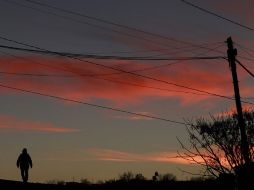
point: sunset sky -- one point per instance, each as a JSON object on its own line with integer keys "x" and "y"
{"x": 68, "y": 140}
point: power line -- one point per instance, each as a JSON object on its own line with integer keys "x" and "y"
{"x": 245, "y": 68}
{"x": 128, "y": 72}
{"x": 109, "y": 80}
{"x": 123, "y": 71}
{"x": 90, "y": 56}
{"x": 246, "y": 50}
{"x": 86, "y": 75}
{"x": 137, "y": 70}
{"x": 96, "y": 76}
{"x": 66, "y": 70}
{"x": 42, "y": 64}
{"x": 93, "y": 105}
{"x": 90, "y": 24}
{"x": 170, "y": 64}
{"x": 109, "y": 22}
{"x": 217, "y": 15}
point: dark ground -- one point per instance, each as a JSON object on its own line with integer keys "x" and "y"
{"x": 120, "y": 185}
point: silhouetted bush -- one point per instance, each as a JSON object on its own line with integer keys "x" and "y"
{"x": 127, "y": 176}
{"x": 215, "y": 143}
{"x": 167, "y": 177}
{"x": 85, "y": 181}
{"x": 139, "y": 177}
{"x": 56, "y": 182}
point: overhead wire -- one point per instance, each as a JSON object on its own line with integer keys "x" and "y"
{"x": 137, "y": 70}
{"x": 217, "y": 15}
{"x": 143, "y": 115}
{"x": 114, "y": 81}
{"x": 111, "y": 57}
{"x": 249, "y": 72}
{"x": 119, "y": 32}
{"x": 166, "y": 51}
{"x": 110, "y": 80}
{"x": 109, "y": 22}
{"x": 93, "y": 105}
{"x": 120, "y": 70}
{"x": 96, "y": 76}
{"x": 221, "y": 17}
{"x": 245, "y": 68}
{"x": 90, "y": 104}
{"x": 246, "y": 50}
{"x": 169, "y": 64}
{"x": 128, "y": 72}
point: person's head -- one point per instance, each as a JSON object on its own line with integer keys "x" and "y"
{"x": 24, "y": 151}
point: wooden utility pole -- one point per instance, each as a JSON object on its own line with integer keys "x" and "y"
{"x": 232, "y": 52}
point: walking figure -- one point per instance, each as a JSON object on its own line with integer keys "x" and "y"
{"x": 23, "y": 162}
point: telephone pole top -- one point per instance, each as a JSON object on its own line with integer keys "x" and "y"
{"x": 232, "y": 52}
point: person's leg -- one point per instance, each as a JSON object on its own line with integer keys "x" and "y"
{"x": 26, "y": 174}
{"x": 23, "y": 174}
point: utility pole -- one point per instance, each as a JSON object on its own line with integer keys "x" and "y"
{"x": 232, "y": 52}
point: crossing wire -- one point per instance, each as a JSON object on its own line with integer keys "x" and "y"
{"x": 123, "y": 71}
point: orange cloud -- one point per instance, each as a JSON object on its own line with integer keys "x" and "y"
{"x": 135, "y": 117}
{"x": 14, "y": 124}
{"x": 232, "y": 110}
{"x": 118, "y": 88}
{"x": 118, "y": 156}
{"x": 162, "y": 157}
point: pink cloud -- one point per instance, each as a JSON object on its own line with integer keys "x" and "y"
{"x": 119, "y": 156}
{"x": 14, "y": 124}
{"x": 126, "y": 88}
{"x": 166, "y": 157}
{"x": 134, "y": 117}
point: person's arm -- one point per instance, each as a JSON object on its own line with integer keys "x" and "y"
{"x": 30, "y": 162}
{"x": 18, "y": 161}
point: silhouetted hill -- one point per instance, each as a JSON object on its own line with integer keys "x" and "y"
{"x": 119, "y": 185}
{"x": 16, "y": 185}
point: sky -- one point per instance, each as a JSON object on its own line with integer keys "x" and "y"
{"x": 68, "y": 140}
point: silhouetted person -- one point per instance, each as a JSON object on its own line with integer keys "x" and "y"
{"x": 23, "y": 162}
{"x": 156, "y": 176}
